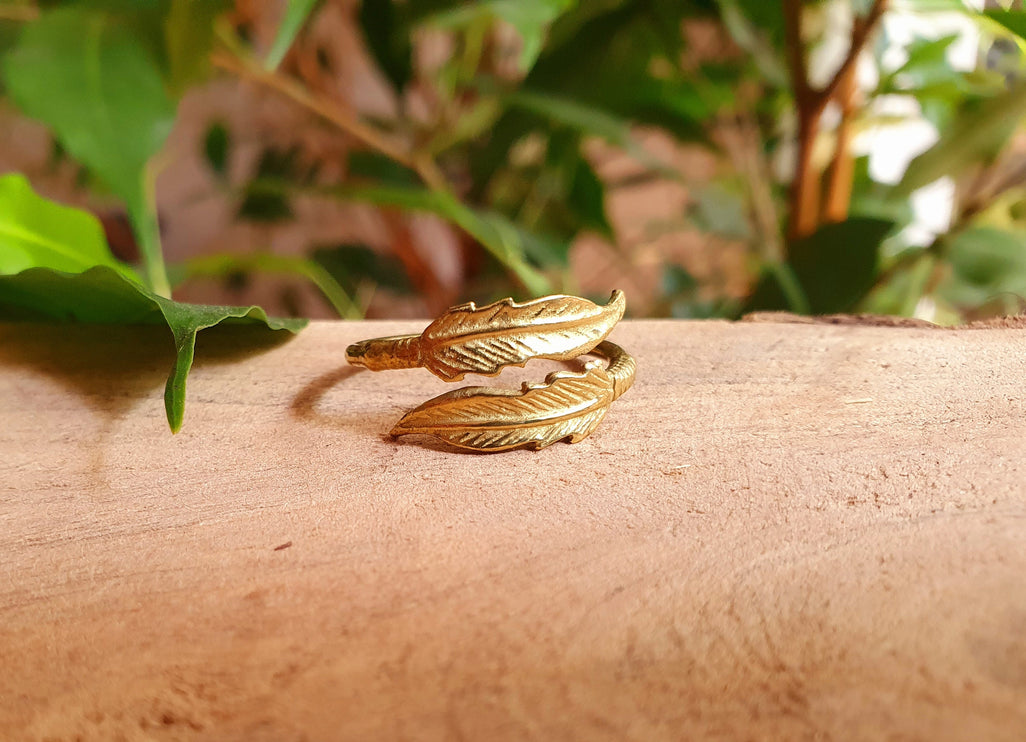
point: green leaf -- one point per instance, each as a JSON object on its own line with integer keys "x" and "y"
{"x": 721, "y": 210}
{"x": 587, "y": 198}
{"x": 373, "y": 166}
{"x": 749, "y": 28}
{"x": 585, "y": 119}
{"x": 36, "y": 232}
{"x": 834, "y": 267}
{"x": 531, "y": 19}
{"x": 216, "y": 148}
{"x": 986, "y": 263}
{"x": 569, "y": 112}
{"x": 504, "y": 240}
{"x": 102, "y": 295}
{"x": 1013, "y": 20}
{"x": 637, "y": 76}
{"x": 102, "y": 95}
{"x": 188, "y": 38}
{"x": 927, "y": 65}
{"x": 975, "y": 135}
{"x": 263, "y": 204}
{"x": 97, "y": 89}
{"x": 55, "y": 265}
{"x": 185, "y": 320}
{"x": 350, "y": 265}
{"x": 297, "y": 12}
{"x": 388, "y": 39}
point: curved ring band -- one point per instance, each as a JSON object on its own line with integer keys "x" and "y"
{"x": 567, "y": 406}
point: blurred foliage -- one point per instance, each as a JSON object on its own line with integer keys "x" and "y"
{"x": 504, "y": 132}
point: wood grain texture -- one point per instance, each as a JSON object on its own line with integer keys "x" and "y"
{"x": 784, "y": 531}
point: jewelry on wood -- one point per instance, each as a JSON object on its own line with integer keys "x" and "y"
{"x": 468, "y": 339}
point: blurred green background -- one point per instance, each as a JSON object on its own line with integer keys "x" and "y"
{"x": 387, "y": 158}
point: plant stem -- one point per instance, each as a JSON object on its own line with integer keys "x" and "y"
{"x": 142, "y": 212}
{"x": 919, "y": 276}
{"x": 218, "y": 266}
{"x": 789, "y": 284}
{"x": 328, "y": 109}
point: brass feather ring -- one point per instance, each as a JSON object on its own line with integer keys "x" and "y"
{"x": 484, "y": 340}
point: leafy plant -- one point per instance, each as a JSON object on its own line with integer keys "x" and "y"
{"x": 55, "y": 265}
{"x": 520, "y": 125}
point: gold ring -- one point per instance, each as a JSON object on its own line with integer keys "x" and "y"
{"x": 484, "y": 340}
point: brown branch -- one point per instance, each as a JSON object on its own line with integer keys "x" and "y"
{"x": 796, "y": 51}
{"x": 841, "y": 173}
{"x": 861, "y": 30}
{"x": 19, "y": 13}
{"x": 804, "y": 204}
{"x": 333, "y": 112}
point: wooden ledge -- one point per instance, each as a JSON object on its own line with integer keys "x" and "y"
{"x": 784, "y": 531}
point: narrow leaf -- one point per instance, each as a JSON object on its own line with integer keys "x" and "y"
{"x": 1013, "y": 20}
{"x": 568, "y": 406}
{"x": 296, "y": 14}
{"x": 973, "y": 136}
{"x": 497, "y": 234}
{"x": 189, "y": 36}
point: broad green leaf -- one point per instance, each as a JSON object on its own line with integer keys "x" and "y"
{"x": 100, "y": 92}
{"x": 388, "y": 39}
{"x": 35, "y": 232}
{"x": 986, "y": 263}
{"x": 104, "y": 296}
{"x": 185, "y": 320}
{"x": 975, "y": 135}
{"x": 55, "y": 265}
{"x": 297, "y": 12}
{"x": 531, "y": 19}
{"x": 834, "y": 267}
{"x": 188, "y": 37}
{"x": 637, "y": 76}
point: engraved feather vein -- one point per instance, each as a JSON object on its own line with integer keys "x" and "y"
{"x": 480, "y": 417}
{"x": 483, "y": 340}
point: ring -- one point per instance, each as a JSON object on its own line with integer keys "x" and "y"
{"x": 484, "y": 340}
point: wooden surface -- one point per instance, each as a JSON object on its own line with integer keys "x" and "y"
{"x": 784, "y": 531}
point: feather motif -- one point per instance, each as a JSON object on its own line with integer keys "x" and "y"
{"x": 568, "y": 406}
{"x": 468, "y": 339}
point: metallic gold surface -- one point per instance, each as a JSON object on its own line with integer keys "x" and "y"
{"x": 567, "y": 406}
{"x": 467, "y": 339}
